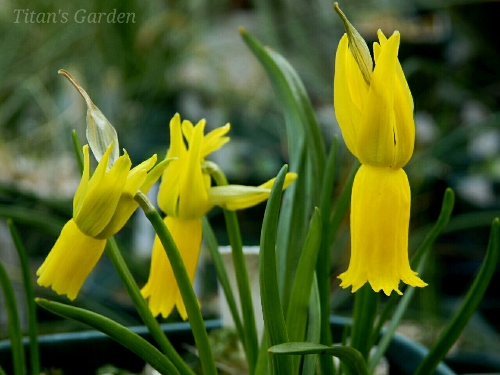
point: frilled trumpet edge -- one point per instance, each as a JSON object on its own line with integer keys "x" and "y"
{"x": 162, "y": 290}
{"x": 70, "y": 261}
{"x": 380, "y": 215}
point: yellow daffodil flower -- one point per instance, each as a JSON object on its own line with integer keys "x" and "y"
{"x": 102, "y": 205}
{"x": 185, "y": 196}
{"x": 374, "y": 108}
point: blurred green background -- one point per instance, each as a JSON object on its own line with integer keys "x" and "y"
{"x": 187, "y": 57}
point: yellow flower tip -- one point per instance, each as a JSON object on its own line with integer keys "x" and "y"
{"x": 70, "y": 261}
{"x": 161, "y": 289}
{"x": 380, "y": 214}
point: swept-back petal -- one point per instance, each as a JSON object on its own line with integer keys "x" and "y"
{"x": 215, "y": 140}
{"x": 375, "y": 140}
{"x": 82, "y": 187}
{"x": 70, "y": 261}
{"x": 347, "y": 113}
{"x": 102, "y": 195}
{"x": 162, "y": 290}
{"x": 193, "y": 199}
{"x": 177, "y": 145}
{"x": 127, "y": 205}
{"x": 238, "y": 197}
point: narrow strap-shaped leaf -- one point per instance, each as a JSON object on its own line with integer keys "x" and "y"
{"x": 469, "y": 305}
{"x": 349, "y": 356}
{"x": 45, "y": 222}
{"x": 307, "y": 158}
{"x": 300, "y": 118}
{"x": 425, "y": 246}
{"x": 298, "y": 307}
{"x": 313, "y": 330}
{"x": 117, "y": 332}
{"x": 184, "y": 283}
{"x": 13, "y": 323}
{"x": 323, "y": 267}
{"x": 30, "y": 299}
{"x": 274, "y": 321}
{"x": 222, "y": 276}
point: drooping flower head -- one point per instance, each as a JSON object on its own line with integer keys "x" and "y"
{"x": 374, "y": 109}
{"x": 185, "y": 196}
{"x": 102, "y": 205}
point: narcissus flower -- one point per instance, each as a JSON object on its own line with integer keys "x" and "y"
{"x": 102, "y": 205}
{"x": 185, "y": 196}
{"x": 374, "y": 108}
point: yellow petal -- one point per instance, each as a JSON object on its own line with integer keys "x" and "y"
{"x": 82, "y": 187}
{"x": 161, "y": 290}
{"x": 238, "y": 197}
{"x": 376, "y": 135}
{"x": 70, "y": 261}
{"x": 215, "y": 140}
{"x": 403, "y": 111}
{"x": 177, "y": 145}
{"x": 348, "y": 114}
{"x": 193, "y": 199}
{"x": 103, "y": 193}
{"x": 380, "y": 214}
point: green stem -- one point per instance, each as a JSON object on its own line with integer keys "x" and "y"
{"x": 141, "y": 307}
{"x": 14, "y": 324}
{"x": 117, "y": 332}
{"x": 469, "y": 305}
{"x": 30, "y": 300}
{"x": 250, "y": 341}
{"x": 184, "y": 283}
{"x": 221, "y": 272}
{"x": 365, "y": 312}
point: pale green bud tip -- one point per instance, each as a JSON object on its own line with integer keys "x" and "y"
{"x": 358, "y": 47}
{"x": 100, "y": 133}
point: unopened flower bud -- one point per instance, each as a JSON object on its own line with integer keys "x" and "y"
{"x": 100, "y": 133}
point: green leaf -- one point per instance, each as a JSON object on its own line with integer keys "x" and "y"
{"x": 469, "y": 305}
{"x": 313, "y": 330}
{"x": 298, "y": 307}
{"x": 307, "y": 157}
{"x": 274, "y": 321}
{"x": 13, "y": 323}
{"x": 323, "y": 266}
{"x": 30, "y": 299}
{"x": 349, "y": 356}
{"x": 117, "y": 332}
